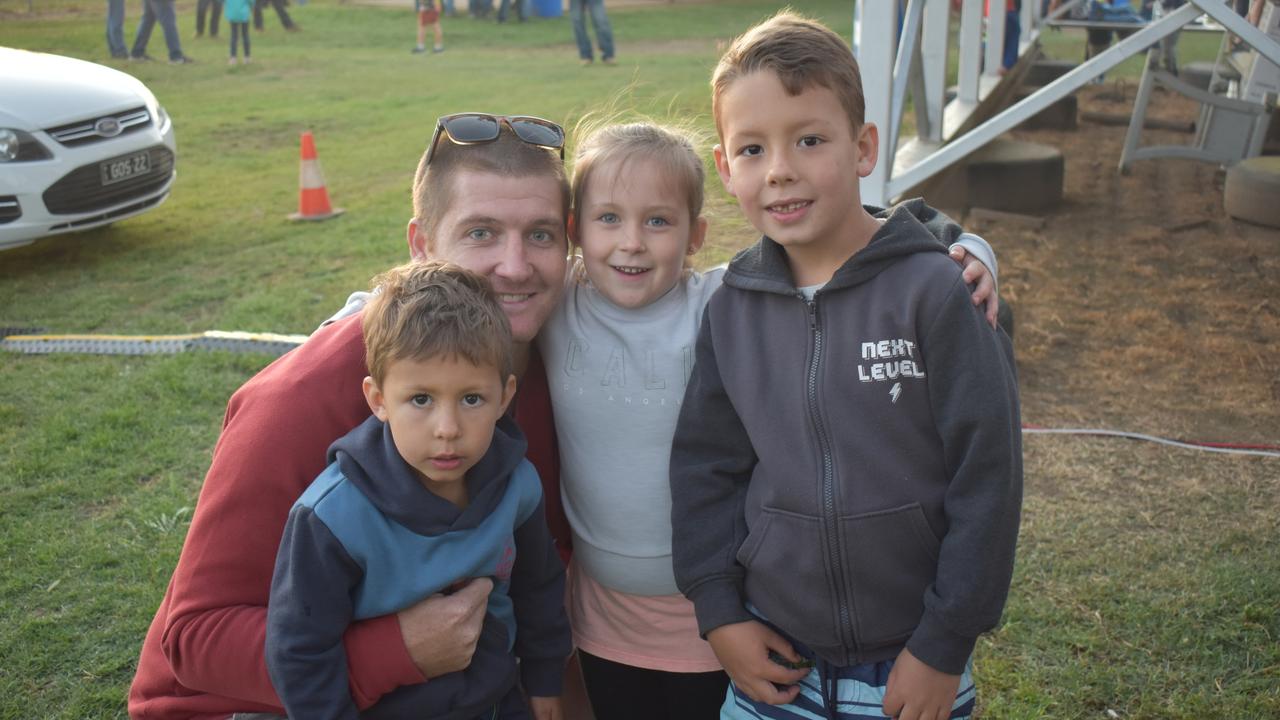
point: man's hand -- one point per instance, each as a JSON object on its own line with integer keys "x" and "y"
{"x": 546, "y": 708}
{"x": 743, "y": 649}
{"x": 976, "y": 272}
{"x": 441, "y": 631}
{"x": 916, "y": 691}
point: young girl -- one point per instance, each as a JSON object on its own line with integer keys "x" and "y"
{"x": 618, "y": 352}
{"x": 237, "y": 12}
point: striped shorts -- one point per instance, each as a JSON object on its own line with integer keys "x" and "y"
{"x": 859, "y": 695}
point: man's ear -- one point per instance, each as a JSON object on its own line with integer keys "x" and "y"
{"x": 697, "y": 235}
{"x": 373, "y": 396}
{"x": 722, "y": 168}
{"x": 419, "y": 243}
{"x": 508, "y": 392}
{"x": 868, "y": 148}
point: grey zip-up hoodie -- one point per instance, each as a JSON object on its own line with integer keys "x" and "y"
{"x": 851, "y": 467}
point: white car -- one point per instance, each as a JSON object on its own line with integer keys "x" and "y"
{"x": 81, "y": 145}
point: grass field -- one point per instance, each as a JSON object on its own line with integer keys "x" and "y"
{"x": 101, "y": 458}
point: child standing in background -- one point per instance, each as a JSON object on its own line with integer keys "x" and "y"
{"x": 237, "y": 13}
{"x": 618, "y": 351}
{"x": 428, "y": 15}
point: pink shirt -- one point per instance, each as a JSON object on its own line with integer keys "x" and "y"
{"x": 653, "y": 632}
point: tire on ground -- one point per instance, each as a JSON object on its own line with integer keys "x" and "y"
{"x": 1252, "y": 191}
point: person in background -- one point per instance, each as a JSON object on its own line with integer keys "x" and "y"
{"x": 160, "y": 11}
{"x": 115, "y": 30}
{"x": 214, "y": 9}
{"x": 428, "y": 16}
{"x": 238, "y": 18}
{"x": 281, "y": 13}
{"x": 600, "y": 21}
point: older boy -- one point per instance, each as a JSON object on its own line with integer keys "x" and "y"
{"x": 433, "y": 489}
{"x": 846, "y": 473}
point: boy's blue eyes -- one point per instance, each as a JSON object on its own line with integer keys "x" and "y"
{"x": 420, "y": 400}
{"x": 613, "y": 219}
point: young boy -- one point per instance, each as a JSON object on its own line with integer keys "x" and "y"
{"x": 847, "y": 468}
{"x": 433, "y": 489}
{"x": 428, "y": 15}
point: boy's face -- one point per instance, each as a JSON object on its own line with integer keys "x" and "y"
{"x": 635, "y": 233}
{"x": 441, "y": 411}
{"x": 512, "y": 231}
{"x": 793, "y": 163}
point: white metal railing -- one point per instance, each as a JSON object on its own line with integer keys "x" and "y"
{"x": 914, "y": 61}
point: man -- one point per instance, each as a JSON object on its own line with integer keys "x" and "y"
{"x": 496, "y": 205}
{"x": 160, "y": 11}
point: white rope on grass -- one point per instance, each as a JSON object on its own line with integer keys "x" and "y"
{"x": 1151, "y": 438}
{"x": 266, "y": 343}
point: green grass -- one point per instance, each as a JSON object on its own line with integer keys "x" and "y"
{"x": 101, "y": 458}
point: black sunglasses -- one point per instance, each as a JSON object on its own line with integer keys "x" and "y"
{"x": 474, "y": 128}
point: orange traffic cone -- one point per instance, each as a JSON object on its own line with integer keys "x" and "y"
{"x": 313, "y": 199}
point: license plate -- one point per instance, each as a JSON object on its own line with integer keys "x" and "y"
{"x": 123, "y": 168}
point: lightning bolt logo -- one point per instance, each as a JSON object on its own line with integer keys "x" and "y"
{"x": 895, "y": 391}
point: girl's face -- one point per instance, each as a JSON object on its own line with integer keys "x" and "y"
{"x": 635, "y": 233}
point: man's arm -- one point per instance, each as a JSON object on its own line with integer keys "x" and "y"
{"x": 974, "y": 396}
{"x": 275, "y": 434}
{"x": 309, "y": 610}
{"x": 981, "y": 271}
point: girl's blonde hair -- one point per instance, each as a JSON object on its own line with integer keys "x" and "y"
{"x": 673, "y": 149}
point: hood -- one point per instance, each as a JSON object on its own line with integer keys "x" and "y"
{"x": 368, "y": 458}
{"x": 39, "y": 91}
{"x": 909, "y": 227}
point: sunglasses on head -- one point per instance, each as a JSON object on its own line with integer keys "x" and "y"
{"x": 475, "y": 128}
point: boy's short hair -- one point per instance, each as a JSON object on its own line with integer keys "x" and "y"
{"x": 803, "y": 53}
{"x": 508, "y": 155}
{"x": 430, "y": 309}
{"x": 672, "y": 149}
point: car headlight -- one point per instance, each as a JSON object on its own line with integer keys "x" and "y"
{"x": 162, "y": 119}
{"x": 19, "y": 146}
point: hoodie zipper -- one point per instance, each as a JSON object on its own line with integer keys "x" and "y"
{"x": 829, "y": 516}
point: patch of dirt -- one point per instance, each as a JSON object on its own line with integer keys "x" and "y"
{"x": 1141, "y": 305}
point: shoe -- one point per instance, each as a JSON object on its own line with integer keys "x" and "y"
{"x": 232, "y": 61}
{"x": 418, "y": 50}
{"x": 608, "y": 61}
{"x": 141, "y": 58}
{"x": 293, "y": 28}
{"x": 182, "y": 60}
{"x": 120, "y": 56}
{"x": 586, "y": 61}
{"x": 198, "y": 35}
{"x": 246, "y": 60}
{"x": 437, "y": 49}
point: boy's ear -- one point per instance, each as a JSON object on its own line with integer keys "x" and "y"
{"x": 373, "y": 396}
{"x": 697, "y": 235}
{"x": 508, "y": 392}
{"x": 722, "y": 168}
{"x": 419, "y": 243}
{"x": 868, "y": 148}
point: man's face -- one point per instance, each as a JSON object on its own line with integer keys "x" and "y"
{"x": 512, "y": 231}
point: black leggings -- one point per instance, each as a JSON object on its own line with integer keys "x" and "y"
{"x": 624, "y": 692}
{"x": 239, "y": 28}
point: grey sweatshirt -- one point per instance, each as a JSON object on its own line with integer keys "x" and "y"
{"x": 851, "y": 467}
